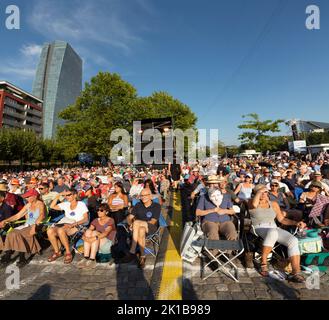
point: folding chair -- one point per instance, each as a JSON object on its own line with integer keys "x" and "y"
{"x": 222, "y": 246}
{"x": 155, "y": 237}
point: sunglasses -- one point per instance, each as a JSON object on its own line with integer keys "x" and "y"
{"x": 41, "y": 188}
{"x": 68, "y": 195}
{"x": 274, "y": 185}
{"x": 101, "y": 210}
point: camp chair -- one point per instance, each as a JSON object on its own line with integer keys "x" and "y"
{"x": 222, "y": 259}
{"x": 155, "y": 237}
{"x": 226, "y": 252}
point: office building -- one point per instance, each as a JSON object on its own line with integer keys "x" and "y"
{"x": 58, "y": 82}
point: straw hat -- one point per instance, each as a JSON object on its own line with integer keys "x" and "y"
{"x": 215, "y": 179}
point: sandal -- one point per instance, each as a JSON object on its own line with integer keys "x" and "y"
{"x": 68, "y": 258}
{"x": 55, "y": 256}
{"x": 297, "y": 277}
{"x": 264, "y": 270}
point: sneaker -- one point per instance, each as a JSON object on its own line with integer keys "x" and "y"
{"x": 81, "y": 264}
{"x": 91, "y": 264}
{"x": 129, "y": 257}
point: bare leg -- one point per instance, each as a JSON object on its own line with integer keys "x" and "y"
{"x": 64, "y": 239}
{"x": 94, "y": 247}
{"x": 141, "y": 239}
{"x": 52, "y": 236}
{"x": 86, "y": 244}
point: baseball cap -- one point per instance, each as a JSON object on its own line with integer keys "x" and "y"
{"x": 276, "y": 174}
{"x": 14, "y": 182}
{"x": 30, "y": 193}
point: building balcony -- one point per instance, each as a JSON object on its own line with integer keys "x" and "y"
{"x": 36, "y": 121}
{"x": 34, "y": 112}
{"x": 13, "y": 113}
{"x": 14, "y": 104}
{"x": 32, "y": 127}
{"x": 12, "y": 123}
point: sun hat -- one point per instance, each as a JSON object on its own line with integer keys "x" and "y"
{"x": 316, "y": 184}
{"x": 215, "y": 179}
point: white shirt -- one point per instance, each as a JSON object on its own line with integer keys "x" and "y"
{"x": 77, "y": 213}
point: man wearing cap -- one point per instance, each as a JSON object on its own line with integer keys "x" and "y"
{"x": 15, "y": 187}
{"x": 318, "y": 177}
{"x": 282, "y": 186}
{"x": 216, "y": 219}
{"x": 6, "y": 211}
{"x": 13, "y": 200}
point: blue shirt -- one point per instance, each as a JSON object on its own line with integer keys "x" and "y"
{"x": 205, "y": 204}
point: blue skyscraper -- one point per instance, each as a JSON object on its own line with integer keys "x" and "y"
{"x": 58, "y": 82}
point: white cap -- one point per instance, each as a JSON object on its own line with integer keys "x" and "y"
{"x": 276, "y": 174}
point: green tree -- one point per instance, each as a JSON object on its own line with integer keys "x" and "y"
{"x": 259, "y": 137}
{"x": 317, "y": 138}
{"x": 108, "y": 103}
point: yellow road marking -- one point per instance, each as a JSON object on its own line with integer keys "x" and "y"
{"x": 171, "y": 282}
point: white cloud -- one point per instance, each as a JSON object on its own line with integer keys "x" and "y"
{"x": 31, "y": 50}
{"x": 22, "y": 67}
{"x": 105, "y": 22}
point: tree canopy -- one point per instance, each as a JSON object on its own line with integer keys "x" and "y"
{"x": 108, "y": 103}
{"x": 259, "y": 137}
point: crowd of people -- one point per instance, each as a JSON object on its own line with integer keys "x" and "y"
{"x": 278, "y": 192}
{"x": 97, "y": 202}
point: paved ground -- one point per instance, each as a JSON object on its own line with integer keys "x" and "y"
{"x": 251, "y": 286}
{"x": 43, "y": 280}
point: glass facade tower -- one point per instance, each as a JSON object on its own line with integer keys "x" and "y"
{"x": 58, "y": 82}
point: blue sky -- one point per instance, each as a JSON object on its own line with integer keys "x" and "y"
{"x": 222, "y": 58}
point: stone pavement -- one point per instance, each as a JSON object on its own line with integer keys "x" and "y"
{"x": 251, "y": 286}
{"x": 43, "y": 280}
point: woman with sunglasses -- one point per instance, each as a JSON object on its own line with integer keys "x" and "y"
{"x": 308, "y": 199}
{"x": 118, "y": 202}
{"x": 98, "y": 238}
{"x": 76, "y": 214}
{"x": 22, "y": 239}
{"x": 276, "y": 195}
{"x": 263, "y": 213}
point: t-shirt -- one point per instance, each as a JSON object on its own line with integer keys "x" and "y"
{"x": 61, "y": 188}
{"x": 146, "y": 213}
{"x": 6, "y": 211}
{"x": 77, "y": 213}
{"x": 101, "y": 228}
{"x": 205, "y": 204}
